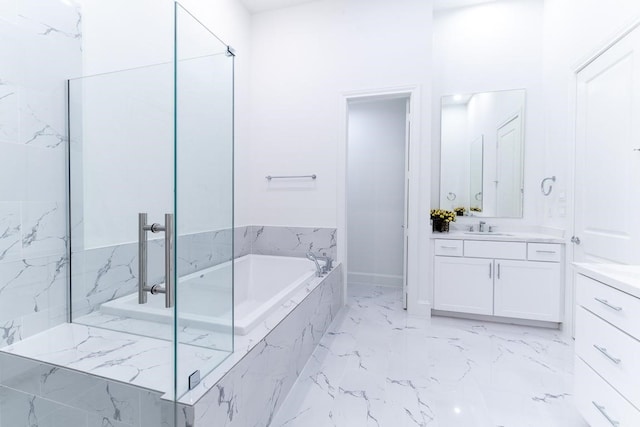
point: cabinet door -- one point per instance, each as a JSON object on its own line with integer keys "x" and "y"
{"x": 528, "y": 290}
{"x": 464, "y": 285}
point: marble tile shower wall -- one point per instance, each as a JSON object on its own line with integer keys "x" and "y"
{"x": 40, "y": 48}
{"x": 103, "y": 274}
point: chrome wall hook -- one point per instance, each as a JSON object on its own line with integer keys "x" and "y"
{"x": 544, "y": 190}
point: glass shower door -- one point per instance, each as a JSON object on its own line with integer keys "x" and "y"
{"x": 203, "y": 201}
{"x": 151, "y": 211}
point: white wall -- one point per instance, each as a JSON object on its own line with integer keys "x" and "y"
{"x": 574, "y": 31}
{"x": 142, "y": 124}
{"x": 304, "y": 58}
{"x": 375, "y": 191}
{"x": 489, "y": 47}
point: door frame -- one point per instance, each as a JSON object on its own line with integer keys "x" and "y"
{"x": 570, "y": 288}
{"x": 412, "y": 93}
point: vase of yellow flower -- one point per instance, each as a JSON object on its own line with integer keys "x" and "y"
{"x": 441, "y": 218}
{"x": 460, "y": 210}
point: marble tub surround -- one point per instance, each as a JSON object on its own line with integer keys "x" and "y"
{"x": 244, "y": 344}
{"x": 292, "y": 241}
{"x": 34, "y": 393}
{"x": 103, "y": 274}
{"x": 625, "y": 278}
{"x": 257, "y": 377}
{"x": 376, "y": 366}
{"x": 32, "y": 147}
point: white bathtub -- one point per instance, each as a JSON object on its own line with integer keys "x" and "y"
{"x": 262, "y": 284}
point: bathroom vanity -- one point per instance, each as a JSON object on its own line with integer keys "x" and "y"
{"x": 503, "y": 275}
{"x": 607, "y": 363}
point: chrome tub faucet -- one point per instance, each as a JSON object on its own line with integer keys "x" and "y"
{"x": 328, "y": 263}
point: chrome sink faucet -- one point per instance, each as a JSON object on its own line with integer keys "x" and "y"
{"x": 481, "y": 226}
{"x": 328, "y": 263}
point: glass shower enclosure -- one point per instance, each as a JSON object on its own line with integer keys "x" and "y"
{"x": 151, "y": 207}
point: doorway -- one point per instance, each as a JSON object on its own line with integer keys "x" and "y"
{"x": 377, "y": 191}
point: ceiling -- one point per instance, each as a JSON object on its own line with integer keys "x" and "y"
{"x": 256, "y": 6}
{"x": 451, "y": 4}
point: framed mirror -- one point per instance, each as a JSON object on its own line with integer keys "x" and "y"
{"x": 482, "y": 153}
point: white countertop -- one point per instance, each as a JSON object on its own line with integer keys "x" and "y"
{"x": 507, "y": 236}
{"x": 625, "y": 278}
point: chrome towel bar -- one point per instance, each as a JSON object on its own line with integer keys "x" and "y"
{"x": 270, "y": 177}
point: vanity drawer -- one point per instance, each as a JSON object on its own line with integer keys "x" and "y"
{"x": 449, "y": 247}
{"x": 599, "y": 403}
{"x": 550, "y": 252}
{"x": 620, "y": 309}
{"x": 502, "y": 250}
{"x": 614, "y": 355}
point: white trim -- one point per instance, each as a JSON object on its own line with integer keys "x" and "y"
{"x": 497, "y": 319}
{"x": 599, "y": 52}
{"x": 388, "y": 280}
{"x": 415, "y": 306}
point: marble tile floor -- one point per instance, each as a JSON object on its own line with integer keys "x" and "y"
{"x": 378, "y": 367}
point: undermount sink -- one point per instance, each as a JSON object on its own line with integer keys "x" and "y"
{"x": 486, "y": 233}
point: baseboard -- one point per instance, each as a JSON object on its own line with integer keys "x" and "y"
{"x": 355, "y": 277}
{"x": 496, "y": 319}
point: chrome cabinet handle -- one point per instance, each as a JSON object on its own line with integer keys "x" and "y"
{"x": 608, "y": 304}
{"x": 490, "y": 270}
{"x": 606, "y": 353}
{"x": 601, "y": 409}
{"x": 498, "y": 270}
{"x": 448, "y": 247}
{"x": 545, "y": 252}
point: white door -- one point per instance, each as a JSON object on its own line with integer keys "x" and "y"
{"x": 528, "y": 290}
{"x": 607, "y": 180}
{"x": 509, "y": 168}
{"x": 463, "y": 285}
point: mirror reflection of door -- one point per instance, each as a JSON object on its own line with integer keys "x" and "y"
{"x": 509, "y": 168}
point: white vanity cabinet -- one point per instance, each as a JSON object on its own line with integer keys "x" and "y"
{"x": 528, "y": 290}
{"x": 464, "y": 285}
{"x": 607, "y": 369}
{"x": 517, "y": 280}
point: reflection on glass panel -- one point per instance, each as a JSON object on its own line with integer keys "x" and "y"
{"x": 204, "y": 198}
{"x": 482, "y": 153}
{"x": 121, "y": 163}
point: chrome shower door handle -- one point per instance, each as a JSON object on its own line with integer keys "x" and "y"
{"x": 169, "y": 267}
{"x": 142, "y": 258}
{"x": 169, "y": 264}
